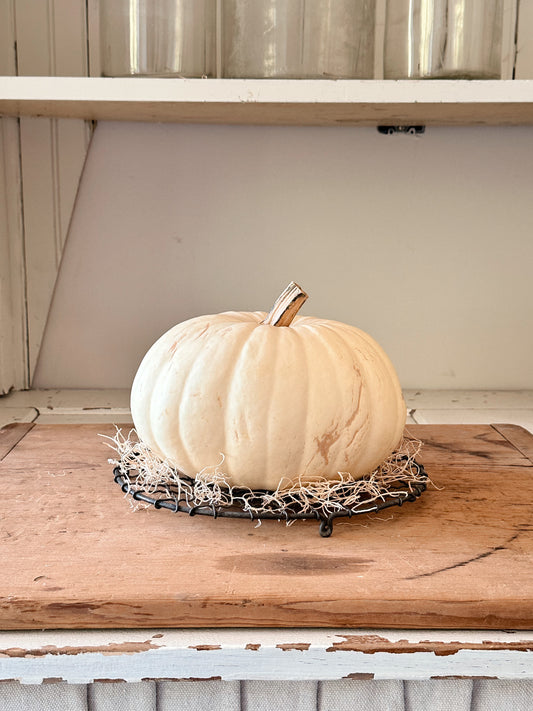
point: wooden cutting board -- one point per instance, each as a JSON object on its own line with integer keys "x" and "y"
{"x": 75, "y": 554}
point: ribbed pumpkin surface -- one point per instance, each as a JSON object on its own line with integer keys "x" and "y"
{"x": 313, "y": 399}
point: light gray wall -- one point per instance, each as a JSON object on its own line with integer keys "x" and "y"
{"x": 426, "y": 243}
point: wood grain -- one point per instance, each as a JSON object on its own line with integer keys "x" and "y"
{"x": 471, "y": 445}
{"x": 519, "y": 437}
{"x": 10, "y": 436}
{"x": 75, "y": 554}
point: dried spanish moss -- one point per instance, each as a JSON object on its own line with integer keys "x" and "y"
{"x": 395, "y": 477}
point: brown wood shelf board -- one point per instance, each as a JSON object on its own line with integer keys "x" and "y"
{"x": 75, "y": 554}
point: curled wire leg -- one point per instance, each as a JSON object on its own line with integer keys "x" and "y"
{"x": 326, "y": 527}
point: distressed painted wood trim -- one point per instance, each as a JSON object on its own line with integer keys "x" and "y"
{"x": 469, "y": 399}
{"x": 51, "y": 40}
{"x": 307, "y": 655}
{"x": 13, "y": 322}
{"x": 13, "y": 315}
{"x": 8, "y": 415}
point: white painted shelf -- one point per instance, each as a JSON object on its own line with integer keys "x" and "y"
{"x": 271, "y": 101}
{"x": 84, "y": 656}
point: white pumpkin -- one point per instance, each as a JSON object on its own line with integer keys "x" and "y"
{"x": 304, "y": 398}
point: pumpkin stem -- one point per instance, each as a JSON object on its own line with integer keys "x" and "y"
{"x": 287, "y": 305}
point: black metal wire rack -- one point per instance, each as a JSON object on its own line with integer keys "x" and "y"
{"x": 171, "y": 496}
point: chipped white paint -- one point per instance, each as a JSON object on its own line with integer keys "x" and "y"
{"x": 424, "y": 407}
{"x": 202, "y": 654}
{"x": 17, "y": 414}
{"x": 85, "y": 416}
{"x": 469, "y": 399}
{"x": 432, "y": 407}
{"x": 475, "y": 417}
{"x": 67, "y": 407}
{"x": 64, "y": 399}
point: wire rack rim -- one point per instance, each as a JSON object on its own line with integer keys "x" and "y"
{"x": 397, "y": 498}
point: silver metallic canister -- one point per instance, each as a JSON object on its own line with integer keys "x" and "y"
{"x": 298, "y": 38}
{"x": 443, "y": 39}
{"x": 158, "y": 37}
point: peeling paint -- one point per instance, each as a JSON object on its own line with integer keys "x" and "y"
{"x": 189, "y": 678}
{"x": 459, "y": 676}
{"x": 385, "y": 654}
{"x": 50, "y": 649}
{"x": 299, "y": 646}
{"x": 205, "y": 647}
{"x": 371, "y": 644}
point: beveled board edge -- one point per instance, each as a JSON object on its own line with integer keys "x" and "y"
{"x": 518, "y": 436}
{"x": 11, "y": 435}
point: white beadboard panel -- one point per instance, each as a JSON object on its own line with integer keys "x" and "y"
{"x": 438, "y": 695}
{"x": 51, "y": 41}
{"x": 502, "y": 695}
{"x": 198, "y": 696}
{"x": 51, "y": 37}
{"x": 510, "y": 14}
{"x": 53, "y": 154}
{"x": 46, "y": 697}
{"x": 8, "y": 59}
{"x": 474, "y": 417}
{"x": 93, "y": 33}
{"x": 13, "y": 346}
{"x": 469, "y": 399}
{"x": 361, "y": 695}
{"x": 41, "y": 222}
{"x": 379, "y": 38}
{"x": 293, "y": 695}
{"x": 175, "y": 221}
{"x": 524, "y": 58}
{"x": 13, "y": 321}
{"x": 140, "y": 696}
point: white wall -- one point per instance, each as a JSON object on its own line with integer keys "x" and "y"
{"x": 425, "y": 242}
